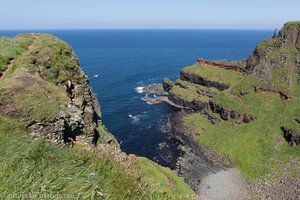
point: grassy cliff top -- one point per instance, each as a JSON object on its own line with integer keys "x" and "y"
{"x": 52, "y": 58}
{"x": 38, "y": 167}
{"x": 35, "y": 70}
{"x": 213, "y": 73}
{"x": 293, "y": 23}
{"x": 269, "y": 90}
{"x": 32, "y": 65}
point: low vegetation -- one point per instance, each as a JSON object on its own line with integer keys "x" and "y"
{"x": 37, "y": 167}
{"x": 213, "y": 73}
{"x": 33, "y": 88}
{"x": 269, "y": 91}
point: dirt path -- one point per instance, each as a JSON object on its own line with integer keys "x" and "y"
{"x": 224, "y": 185}
{"x": 11, "y": 63}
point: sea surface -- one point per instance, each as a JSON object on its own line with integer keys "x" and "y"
{"x": 120, "y": 62}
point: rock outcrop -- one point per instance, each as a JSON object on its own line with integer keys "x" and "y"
{"x": 220, "y": 64}
{"x": 168, "y": 84}
{"x": 292, "y": 136}
{"x": 47, "y": 78}
{"x": 193, "y": 78}
{"x": 227, "y": 114}
{"x": 275, "y": 60}
{"x": 291, "y": 35}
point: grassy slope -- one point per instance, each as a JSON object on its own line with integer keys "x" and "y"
{"x": 11, "y": 48}
{"x": 34, "y": 166}
{"x": 38, "y": 167}
{"x": 257, "y": 148}
{"x": 214, "y": 73}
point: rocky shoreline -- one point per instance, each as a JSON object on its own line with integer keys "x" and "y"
{"x": 203, "y": 169}
{"x": 197, "y": 164}
{"x": 238, "y": 108}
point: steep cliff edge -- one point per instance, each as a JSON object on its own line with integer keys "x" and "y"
{"x": 45, "y": 87}
{"x": 45, "y": 95}
{"x": 248, "y": 112}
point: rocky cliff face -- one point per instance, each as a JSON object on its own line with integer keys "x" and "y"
{"x": 45, "y": 87}
{"x": 291, "y": 35}
{"x": 275, "y": 60}
{"x": 273, "y": 67}
{"x": 246, "y": 111}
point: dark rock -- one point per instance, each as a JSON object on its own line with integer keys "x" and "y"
{"x": 234, "y": 114}
{"x": 291, "y": 136}
{"x": 168, "y": 84}
{"x": 242, "y": 92}
{"x": 202, "y": 81}
{"x": 225, "y": 114}
{"x": 197, "y": 160}
{"x": 196, "y": 105}
{"x": 156, "y": 89}
{"x": 206, "y": 93}
{"x": 291, "y": 35}
{"x": 246, "y": 118}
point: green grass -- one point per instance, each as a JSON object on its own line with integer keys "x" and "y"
{"x": 185, "y": 84}
{"x": 293, "y": 23}
{"x": 188, "y": 94}
{"x": 54, "y": 58}
{"x": 257, "y": 148}
{"x": 167, "y": 182}
{"x": 37, "y": 167}
{"x": 214, "y": 73}
{"x": 250, "y": 147}
{"x": 31, "y": 97}
{"x": 12, "y": 48}
{"x": 106, "y": 136}
{"x": 191, "y": 92}
{"x": 33, "y": 89}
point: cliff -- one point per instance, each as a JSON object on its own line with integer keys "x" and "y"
{"x": 43, "y": 86}
{"x": 248, "y": 111}
{"x": 45, "y": 96}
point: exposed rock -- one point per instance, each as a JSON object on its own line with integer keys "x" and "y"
{"x": 193, "y": 78}
{"x": 220, "y": 64}
{"x": 291, "y": 35}
{"x": 79, "y": 114}
{"x": 210, "y": 117}
{"x": 168, "y": 84}
{"x": 246, "y": 118}
{"x": 162, "y": 99}
{"x": 239, "y": 119}
{"x": 206, "y": 93}
{"x": 193, "y": 105}
{"x": 276, "y": 56}
{"x": 226, "y": 114}
{"x": 157, "y": 89}
{"x": 197, "y": 160}
{"x": 291, "y": 136}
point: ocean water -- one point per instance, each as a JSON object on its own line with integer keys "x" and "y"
{"x": 119, "y": 62}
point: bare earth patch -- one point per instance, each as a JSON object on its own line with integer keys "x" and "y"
{"x": 224, "y": 185}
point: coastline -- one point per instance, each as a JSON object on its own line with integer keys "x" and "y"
{"x": 203, "y": 169}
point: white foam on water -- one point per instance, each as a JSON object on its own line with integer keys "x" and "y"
{"x": 135, "y": 118}
{"x": 139, "y": 89}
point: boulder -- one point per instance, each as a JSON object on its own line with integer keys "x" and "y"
{"x": 168, "y": 84}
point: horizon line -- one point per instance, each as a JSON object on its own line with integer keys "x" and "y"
{"x": 78, "y": 29}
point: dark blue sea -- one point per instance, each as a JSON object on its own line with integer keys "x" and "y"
{"x": 119, "y": 61}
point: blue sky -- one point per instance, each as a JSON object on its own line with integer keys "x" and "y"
{"x": 195, "y": 14}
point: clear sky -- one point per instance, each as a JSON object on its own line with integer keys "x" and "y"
{"x": 195, "y": 14}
